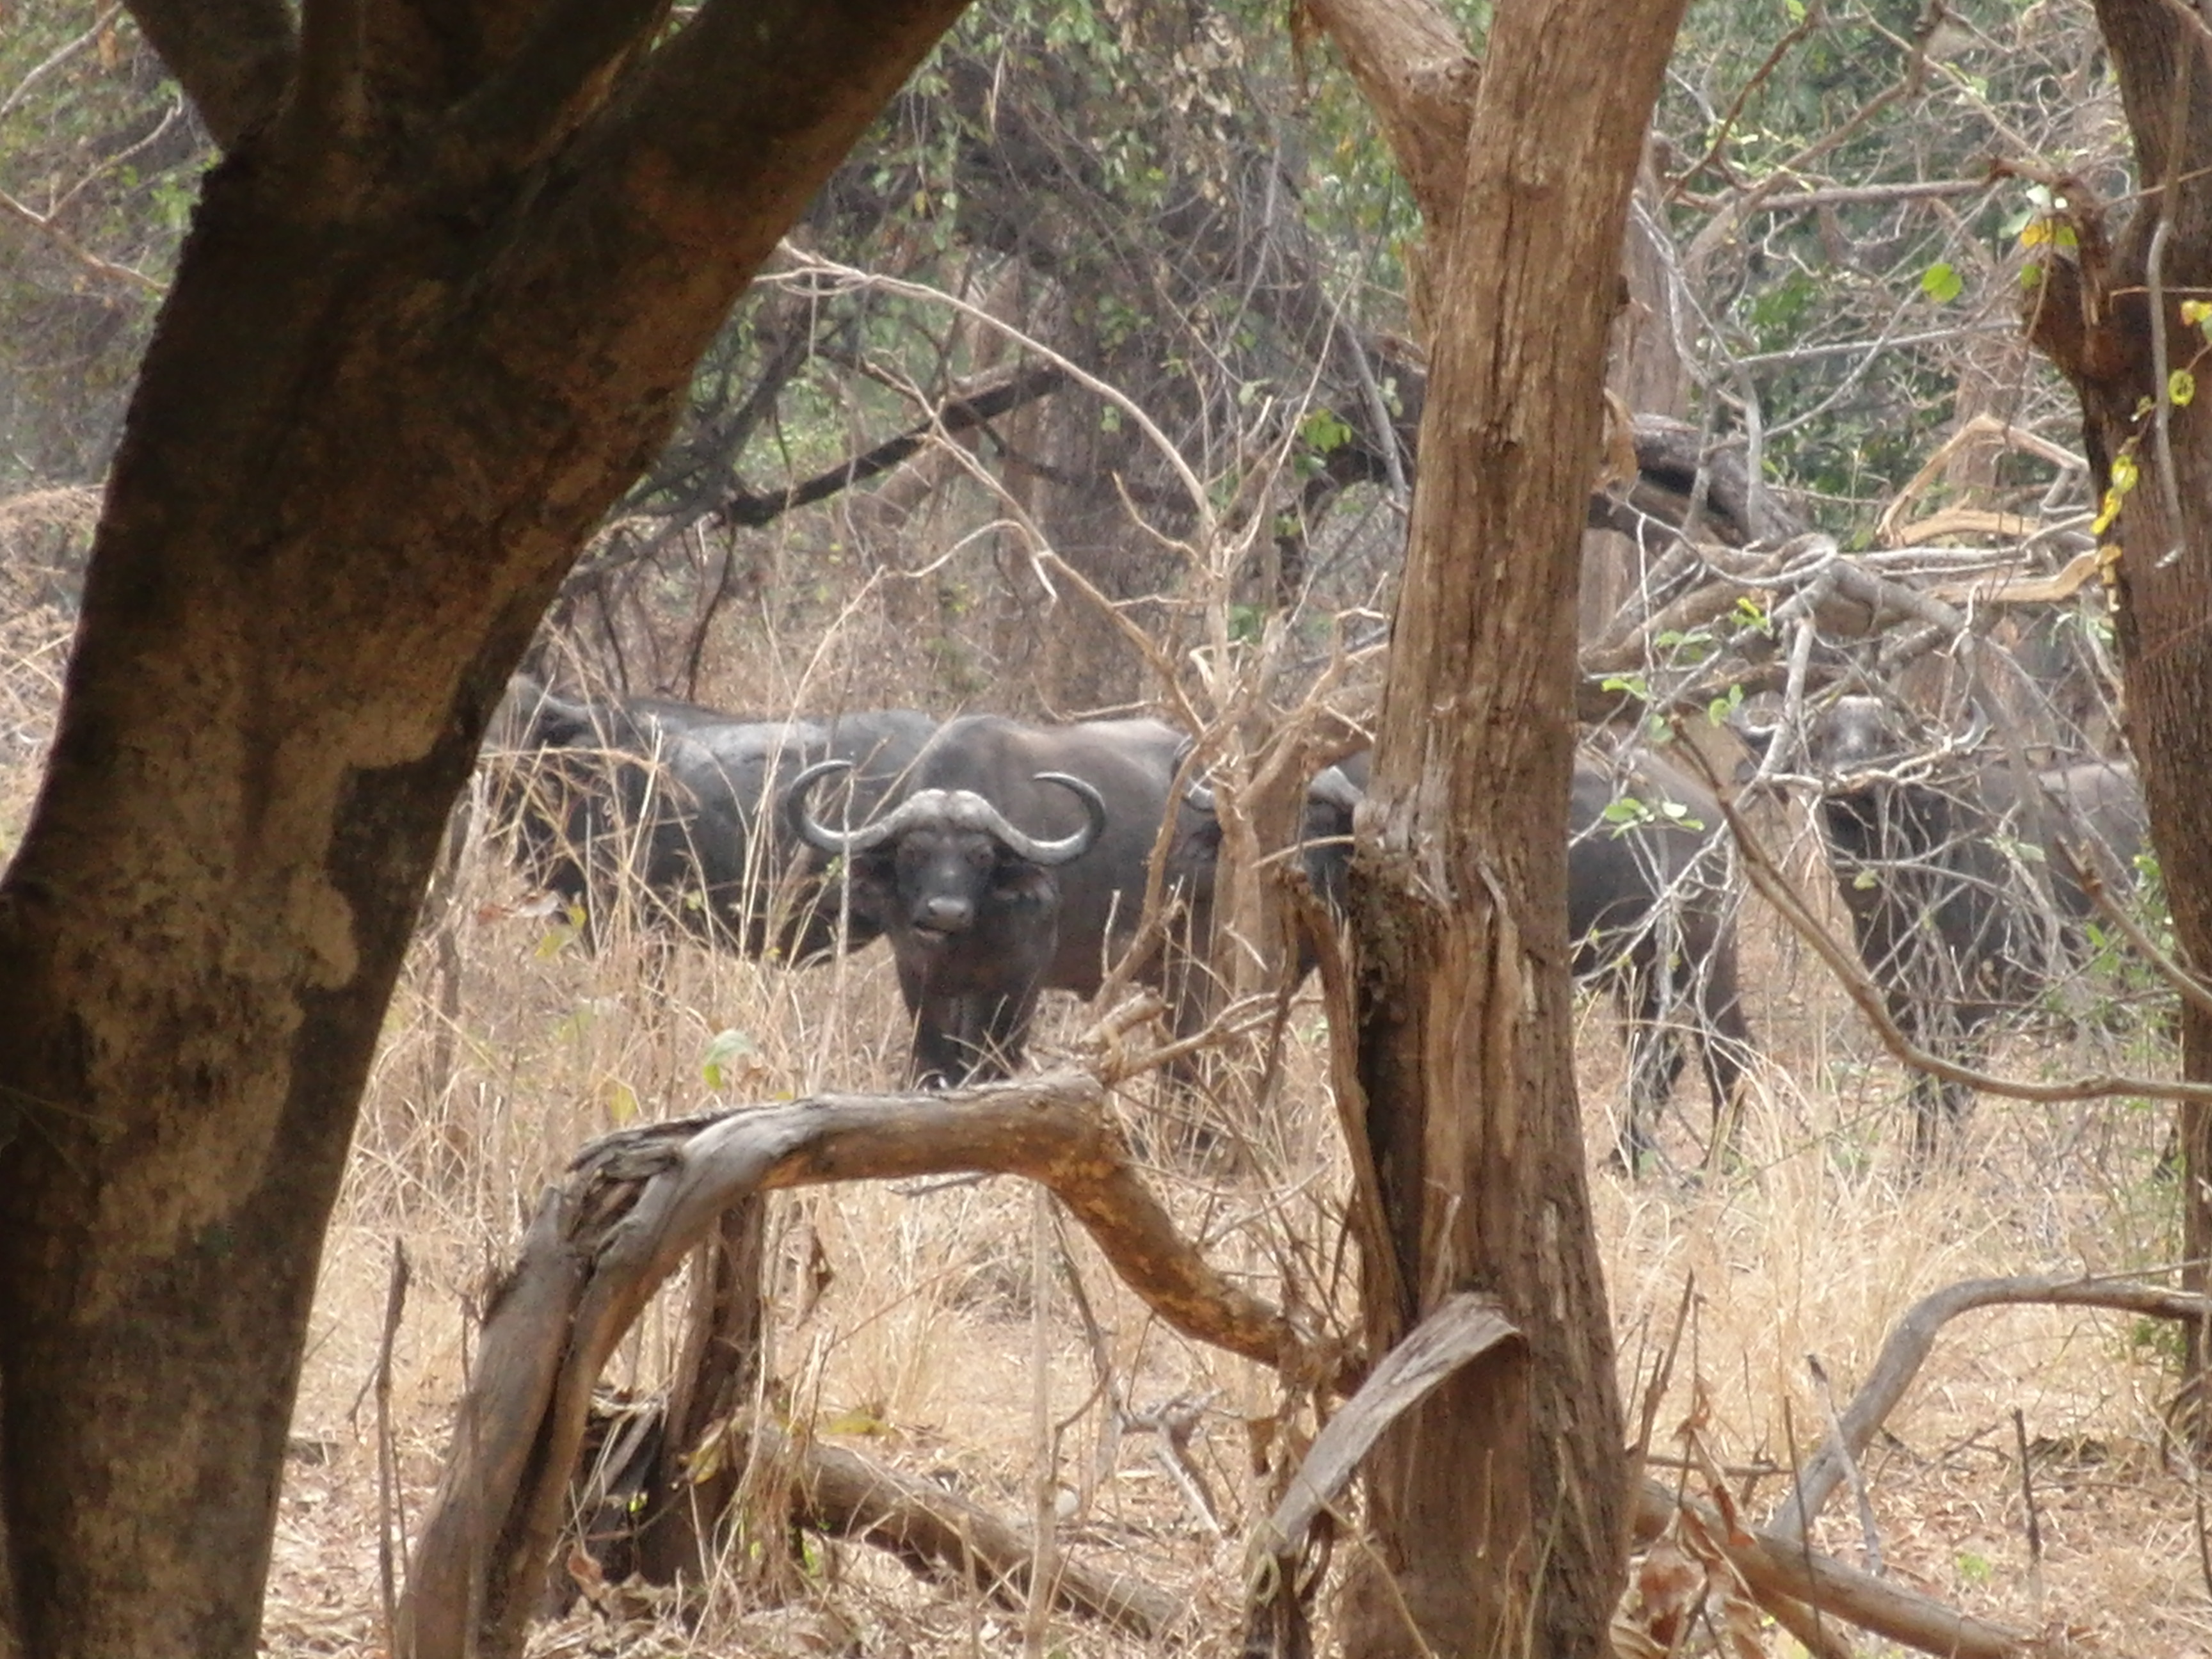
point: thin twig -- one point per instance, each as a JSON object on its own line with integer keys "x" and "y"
{"x": 1870, "y": 1540}
{"x": 77, "y": 250}
{"x": 2192, "y": 989}
{"x": 2034, "y": 1528}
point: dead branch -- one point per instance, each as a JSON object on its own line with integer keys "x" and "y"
{"x": 1776, "y": 1572}
{"x": 960, "y": 413}
{"x": 106, "y": 270}
{"x": 1908, "y": 1348}
{"x": 929, "y": 1528}
{"x": 635, "y": 1204}
{"x": 1463, "y": 1328}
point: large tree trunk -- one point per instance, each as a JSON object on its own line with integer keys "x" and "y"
{"x": 2092, "y": 315}
{"x": 418, "y": 341}
{"x": 1498, "y": 1503}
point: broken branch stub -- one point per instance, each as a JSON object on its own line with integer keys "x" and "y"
{"x": 1463, "y": 1328}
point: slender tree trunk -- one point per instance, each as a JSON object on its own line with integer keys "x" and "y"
{"x": 715, "y": 1376}
{"x": 2093, "y": 314}
{"x": 1498, "y": 1503}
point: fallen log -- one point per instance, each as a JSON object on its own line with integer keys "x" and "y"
{"x": 836, "y": 1490}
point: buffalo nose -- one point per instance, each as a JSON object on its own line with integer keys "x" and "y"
{"x": 946, "y": 915}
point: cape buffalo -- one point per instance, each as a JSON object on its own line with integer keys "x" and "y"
{"x": 661, "y": 804}
{"x": 1961, "y": 901}
{"x": 1651, "y": 910}
{"x": 1014, "y": 861}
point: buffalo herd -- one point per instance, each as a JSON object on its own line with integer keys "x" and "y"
{"x": 1000, "y": 860}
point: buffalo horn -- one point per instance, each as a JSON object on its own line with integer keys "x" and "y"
{"x": 838, "y": 844}
{"x": 1333, "y": 788}
{"x": 1068, "y": 847}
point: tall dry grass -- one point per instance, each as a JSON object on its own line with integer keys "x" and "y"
{"x": 911, "y": 1321}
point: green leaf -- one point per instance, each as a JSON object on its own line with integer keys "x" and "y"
{"x": 1942, "y": 282}
{"x": 722, "y": 1049}
{"x": 2180, "y": 388}
{"x": 1321, "y": 430}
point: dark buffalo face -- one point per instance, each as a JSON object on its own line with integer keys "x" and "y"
{"x": 1956, "y": 866}
{"x": 971, "y": 902}
{"x": 1016, "y": 862}
{"x": 1649, "y": 911}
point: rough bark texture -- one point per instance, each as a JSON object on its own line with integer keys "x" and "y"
{"x": 2092, "y": 315}
{"x": 1498, "y": 1503}
{"x": 437, "y": 307}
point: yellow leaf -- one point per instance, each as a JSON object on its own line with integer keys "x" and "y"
{"x": 622, "y": 1104}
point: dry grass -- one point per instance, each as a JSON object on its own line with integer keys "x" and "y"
{"x": 921, "y": 1346}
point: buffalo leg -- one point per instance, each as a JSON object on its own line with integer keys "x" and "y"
{"x": 1724, "y": 1040}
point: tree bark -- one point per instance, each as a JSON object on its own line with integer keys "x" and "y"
{"x": 1499, "y": 1503}
{"x": 423, "y": 334}
{"x": 2098, "y": 312}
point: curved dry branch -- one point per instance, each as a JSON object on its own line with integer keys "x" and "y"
{"x": 1773, "y": 1568}
{"x": 1908, "y": 1347}
{"x": 634, "y": 1205}
{"x": 1464, "y": 1326}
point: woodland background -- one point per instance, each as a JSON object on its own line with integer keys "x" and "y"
{"x": 897, "y": 474}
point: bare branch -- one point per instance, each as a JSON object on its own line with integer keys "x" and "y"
{"x": 1773, "y": 1566}
{"x": 107, "y": 268}
{"x": 235, "y": 59}
{"x": 1910, "y": 1344}
{"x": 2192, "y": 989}
{"x": 1464, "y": 1326}
{"x": 925, "y": 1526}
{"x": 59, "y": 56}
{"x": 959, "y": 413}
